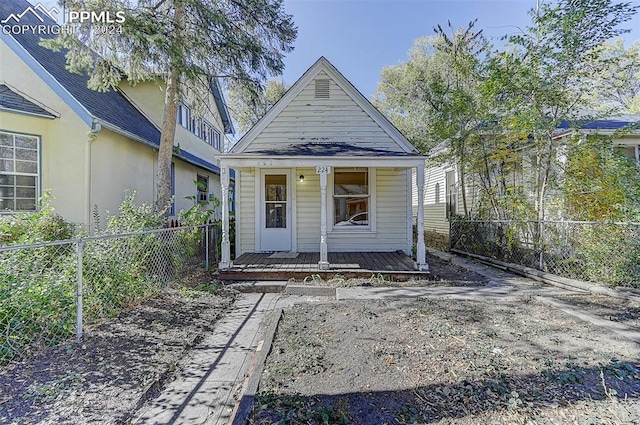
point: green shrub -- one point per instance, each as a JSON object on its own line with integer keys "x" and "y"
{"x": 43, "y": 225}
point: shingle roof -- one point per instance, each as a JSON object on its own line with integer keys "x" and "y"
{"x": 609, "y": 123}
{"x": 111, "y": 107}
{"x": 327, "y": 149}
{"x": 13, "y": 101}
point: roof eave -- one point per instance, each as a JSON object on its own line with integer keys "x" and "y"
{"x": 30, "y": 114}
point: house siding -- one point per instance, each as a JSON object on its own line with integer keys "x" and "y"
{"x": 338, "y": 119}
{"x": 74, "y": 160}
{"x": 246, "y": 211}
{"x": 435, "y": 218}
{"x": 308, "y": 210}
{"x": 149, "y": 98}
{"x": 391, "y": 212}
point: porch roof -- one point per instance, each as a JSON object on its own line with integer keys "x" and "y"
{"x": 317, "y": 153}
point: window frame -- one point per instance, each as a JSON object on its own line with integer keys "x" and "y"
{"x": 200, "y": 127}
{"x": 183, "y": 106}
{"x": 372, "y": 226}
{"x": 200, "y": 192}
{"x": 37, "y": 175}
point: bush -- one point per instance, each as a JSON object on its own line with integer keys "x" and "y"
{"x": 32, "y": 227}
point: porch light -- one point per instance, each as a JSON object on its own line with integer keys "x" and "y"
{"x": 301, "y": 178}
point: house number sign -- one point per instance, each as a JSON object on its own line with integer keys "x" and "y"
{"x": 323, "y": 169}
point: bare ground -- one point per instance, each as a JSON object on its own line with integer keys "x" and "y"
{"x": 445, "y": 361}
{"x": 360, "y": 362}
{"x": 118, "y": 364}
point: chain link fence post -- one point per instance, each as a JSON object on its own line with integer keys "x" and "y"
{"x": 206, "y": 247}
{"x": 79, "y": 291}
{"x": 542, "y": 244}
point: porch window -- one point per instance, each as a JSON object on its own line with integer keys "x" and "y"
{"x": 19, "y": 171}
{"x": 351, "y": 198}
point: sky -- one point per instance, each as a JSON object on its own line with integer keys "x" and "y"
{"x": 360, "y": 37}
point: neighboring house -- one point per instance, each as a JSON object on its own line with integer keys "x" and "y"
{"x": 88, "y": 147}
{"x": 323, "y": 171}
{"x": 442, "y": 190}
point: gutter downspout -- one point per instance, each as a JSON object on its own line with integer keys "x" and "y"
{"x": 96, "y": 126}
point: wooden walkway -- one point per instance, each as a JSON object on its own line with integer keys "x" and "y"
{"x": 259, "y": 266}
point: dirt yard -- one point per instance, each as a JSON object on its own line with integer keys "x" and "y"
{"x": 445, "y": 361}
{"x": 424, "y": 361}
{"x": 118, "y": 364}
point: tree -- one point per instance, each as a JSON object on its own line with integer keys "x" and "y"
{"x": 617, "y": 87}
{"x": 434, "y": 96}
{"x": 544, "y": 76}
{"x": 601, "y": 184}
{"x": 249, "y": 106}
{"x": 183, "y": 44}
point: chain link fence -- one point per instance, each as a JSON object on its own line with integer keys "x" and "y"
{"x": 49, "y": 291}
{"x": 607, "y": 253}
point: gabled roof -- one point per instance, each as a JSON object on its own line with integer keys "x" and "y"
{"x": 221, "y": 104}
{"x": 322, "y": 64}
{"x": 13, "y": 101}
{"x": 109, "y": 109}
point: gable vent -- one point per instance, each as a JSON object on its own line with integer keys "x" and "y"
{"x": 322, "y": 89}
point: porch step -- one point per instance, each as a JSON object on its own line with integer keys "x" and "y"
{"x": 278, "y": 275}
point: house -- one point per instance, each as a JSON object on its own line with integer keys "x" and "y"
{"x": 88, "y": 147}
{"x": 442, "y": 188}
{"x": 323, "y": 172}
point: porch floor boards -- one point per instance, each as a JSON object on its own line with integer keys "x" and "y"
{"x": 258, "y": 266}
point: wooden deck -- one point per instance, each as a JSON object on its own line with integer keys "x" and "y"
{"x": 259, "y": 266}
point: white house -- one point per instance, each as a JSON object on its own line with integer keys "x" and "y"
{"x": 442, "y": 189}
{"x": 323, "y": 171}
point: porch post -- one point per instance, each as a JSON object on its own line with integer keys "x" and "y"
{"x": 324, "y": 261}
{"x": 225, "y": 260}
{"x": 421, "y": 258}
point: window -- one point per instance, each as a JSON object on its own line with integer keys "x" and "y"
{"x": 216, "y": 139}
{"x": 184, "y": 116}
{"x": 19, "y": 171}
{"x": 202, "y": 183}
{"x": 275, "y": 199}
{"x": 437, "y": 190}
{"x": 200, "y": 127}
{"x": 351, "y": 198}
{"x": 451, "y": 208}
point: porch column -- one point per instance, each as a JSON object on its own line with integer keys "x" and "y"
{"x": 421, "y": 258}
{"x": 225, "y": 262}
{"x": 324, "y": 260}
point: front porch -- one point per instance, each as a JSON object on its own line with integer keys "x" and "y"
{"x": 283, "y": 266}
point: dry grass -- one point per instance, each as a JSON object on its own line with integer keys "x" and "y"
{"x": 443, "y": 361}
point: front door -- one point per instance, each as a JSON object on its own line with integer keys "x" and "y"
{"x": 275, "y": 211}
